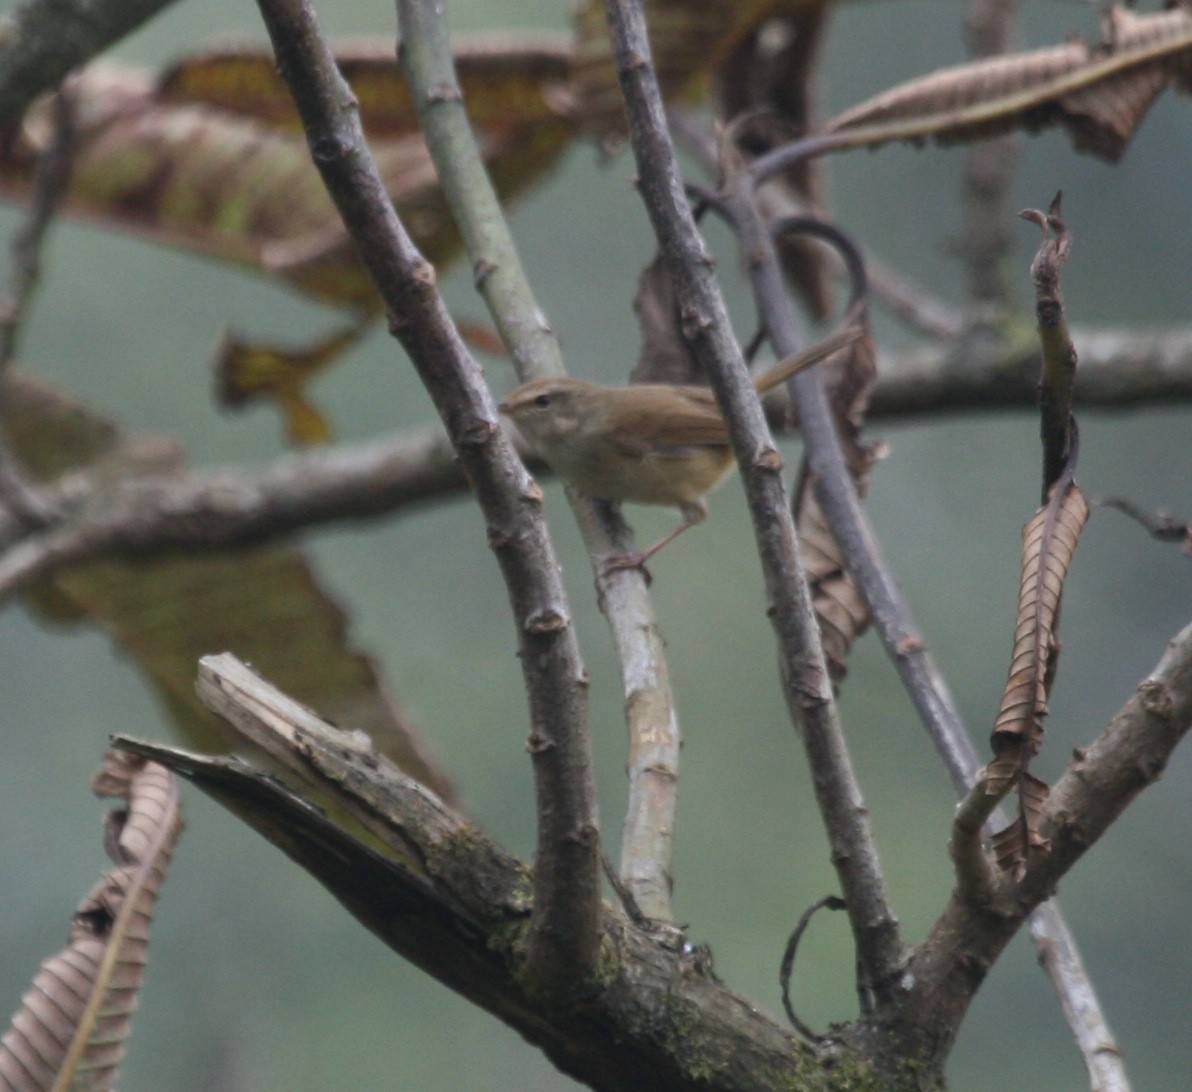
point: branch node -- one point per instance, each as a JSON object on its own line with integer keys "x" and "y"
{"x": 546, "y": 621}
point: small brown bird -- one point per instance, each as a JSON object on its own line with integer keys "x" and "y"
{"x": 653, "y": 443}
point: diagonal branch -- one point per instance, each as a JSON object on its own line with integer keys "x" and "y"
{"x": 43, "y": 41}
{"x": 892, "y": 617}
{"x": 437, "y": 890}
{"x": 650, "y": 715}
{"x": 1099, "y": 783}
{"x": 805, "y": 679}
{"x": 564, "y": 935}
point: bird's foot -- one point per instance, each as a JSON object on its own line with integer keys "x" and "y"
{"x": 616, "y": 563}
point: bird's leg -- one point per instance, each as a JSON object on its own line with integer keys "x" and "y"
{"x": 693, "y": 512}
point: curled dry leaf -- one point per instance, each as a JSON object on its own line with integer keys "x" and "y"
{"x": 1100, "y": 92}
{"x": 72, "y": 1025}
{"x": 839, "y": 606}
{"x": 665, "y": 356}
{"x": 1049, "y": 541}
{"x": 841, "y": 609}
{"x": 1015, "y": 842}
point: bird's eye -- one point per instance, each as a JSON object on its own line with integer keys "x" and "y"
{"x": 542, "y": 400}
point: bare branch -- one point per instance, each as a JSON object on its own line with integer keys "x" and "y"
{"x": 42, "y": 41}
{"x": 1118, "y": 369}
{"x": 651, "y": 720}
{"x": 911, "y": 303}
{"x": 1057, "y": 951}
{"x": 963, "y": 944}
{"x": 805, "y": 677}
{"x": 437, "y": 890}
{"x": 562, "y": 949}
{"x": 984, "y": 238}
{"x": 1128, "y": 756}
{"x": 974, "y": 872}
{"x": 233, "y": 506}
{"x": 228, "y": 507}
{"x": 1161, "y": 526}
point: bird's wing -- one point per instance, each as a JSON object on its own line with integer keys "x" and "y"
{"x": 687, "y": 419}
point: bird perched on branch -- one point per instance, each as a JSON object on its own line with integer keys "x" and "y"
{"x": 652, "y": 443}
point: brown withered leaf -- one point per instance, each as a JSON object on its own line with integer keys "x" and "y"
{"x": 210, "y": 158}
{"x": 665, "y": 356}
{"x": 1049, "y": 541}
{"x": 1098, "y": 92}
{"x": 841, "y": 609}
{"x": 1015, "y": 843}
{"x": 73, "y": 1023}
{"x": 265, "y": 604}
{"x": 508, "y": 82}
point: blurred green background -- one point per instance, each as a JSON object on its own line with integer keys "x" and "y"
{"x": 259, "y": 981}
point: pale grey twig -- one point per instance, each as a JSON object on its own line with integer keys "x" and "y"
{"x": 651, "y": 720}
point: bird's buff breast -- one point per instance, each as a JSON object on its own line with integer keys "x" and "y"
{"x": 673, "y": 479}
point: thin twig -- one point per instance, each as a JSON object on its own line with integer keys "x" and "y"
{"x": 1058, "y": 373}
{"x": 975, "y": 876}
{"x": 805, "y": 678}
{"x": 838, "y": 498}
{"x": 912, "y": 304}
{"x": 787, "y": 968}
{"x": 563, "y": 940}
{"x": 25, "y": 500}
{"x": 651, "y": 720}
{"x": 1161, "y": 526}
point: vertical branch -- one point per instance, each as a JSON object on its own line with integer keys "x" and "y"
{"x": 805, "y": 679}
{"x": 653, "y": 727}
{"x": 988, "y": 167}
{"x": 564, "y": 931}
